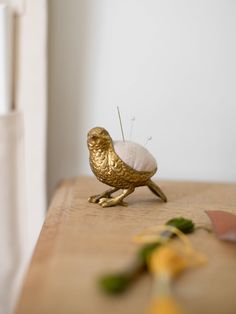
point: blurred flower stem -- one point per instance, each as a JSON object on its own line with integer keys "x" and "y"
{"x": 116, "y": 283}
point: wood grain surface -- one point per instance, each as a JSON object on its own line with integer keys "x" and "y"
{"x": 80, "y": 241}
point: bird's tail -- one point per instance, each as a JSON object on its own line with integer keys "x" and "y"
{"x": 156, "y": 190}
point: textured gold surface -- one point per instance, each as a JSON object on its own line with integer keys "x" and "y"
{"x": 111, "y": 170}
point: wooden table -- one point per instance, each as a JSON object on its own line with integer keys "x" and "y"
{"x": 79, "y": 241}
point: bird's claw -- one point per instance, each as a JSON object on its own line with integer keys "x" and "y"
{"x": 109, "y": 202}
{"x": 106, "y": 202}
{"x": 94, "y": 199}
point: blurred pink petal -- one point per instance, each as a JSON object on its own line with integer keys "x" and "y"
{"x": 224, "y": 224}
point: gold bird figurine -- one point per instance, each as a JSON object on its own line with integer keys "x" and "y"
{"x": 122, "y": 165}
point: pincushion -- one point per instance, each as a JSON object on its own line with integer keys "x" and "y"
{"x": 134, "y": 155}
{"x": 121, "y": 165}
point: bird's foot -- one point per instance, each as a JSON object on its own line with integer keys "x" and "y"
{"x": 94, "y": 198}
{"x": 109, "y": 202}
{"x": 106, "y": 194}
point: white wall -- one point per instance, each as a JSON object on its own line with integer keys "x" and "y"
{"x": 171, "y": 64}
